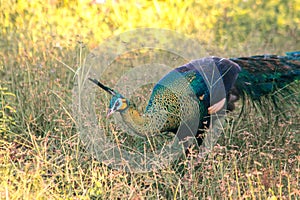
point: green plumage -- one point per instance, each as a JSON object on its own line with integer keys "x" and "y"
{"x": 262, "y": 75}
{"x": 192, "y": 92}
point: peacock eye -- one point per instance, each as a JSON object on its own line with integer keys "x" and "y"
{"x": 117, "y": 103}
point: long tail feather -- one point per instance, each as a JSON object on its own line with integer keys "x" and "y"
{"x": 264, "y": 74}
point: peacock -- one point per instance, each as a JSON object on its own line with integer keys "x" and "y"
{"x": 201, "y": 88}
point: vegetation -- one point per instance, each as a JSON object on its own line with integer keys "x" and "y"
{"x": 43, "y": 45}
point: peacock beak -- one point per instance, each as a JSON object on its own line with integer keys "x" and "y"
{"x": 109, "y": 113}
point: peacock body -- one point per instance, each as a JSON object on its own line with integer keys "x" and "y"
{"x": 201, "y": 88}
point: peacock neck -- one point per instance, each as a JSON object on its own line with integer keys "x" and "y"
{"x": 144, "y": 125}
{"x": 135, "y": 120}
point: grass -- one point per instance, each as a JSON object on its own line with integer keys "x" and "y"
{"x": 42, "y": 155}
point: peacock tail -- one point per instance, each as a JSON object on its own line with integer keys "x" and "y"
{"x": 264, "y": 75}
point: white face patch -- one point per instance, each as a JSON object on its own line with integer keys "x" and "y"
{"x": 121, "y": 104}
{"x": 216, "y": 107}
{"x": 117, "y": 104}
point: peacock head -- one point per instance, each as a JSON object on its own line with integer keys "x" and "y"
{"x": 118, "y": 103}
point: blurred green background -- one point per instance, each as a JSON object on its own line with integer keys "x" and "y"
{"x": 252, "y": 25}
